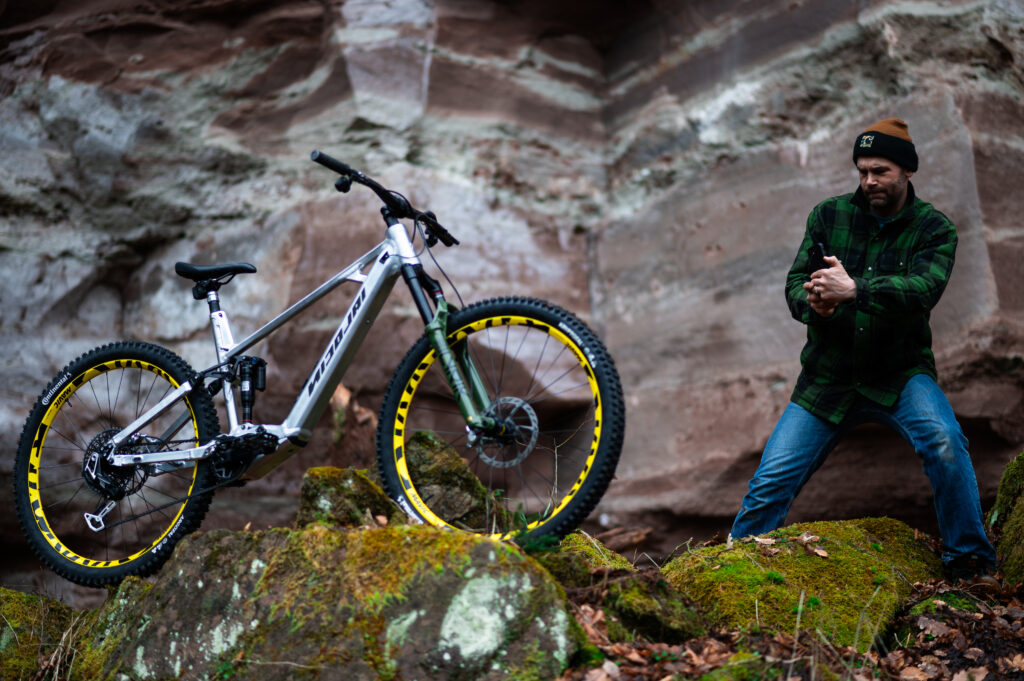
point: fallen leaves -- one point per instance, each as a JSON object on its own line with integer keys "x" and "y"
{"x": 770, "y": 546}
{"x": 982, "y": 641}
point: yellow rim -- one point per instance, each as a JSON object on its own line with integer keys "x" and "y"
{"x": 401, "y": 417}
{"x": 35, "y": 455}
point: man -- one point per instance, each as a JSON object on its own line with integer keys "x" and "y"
{"x": 868, "y": 354}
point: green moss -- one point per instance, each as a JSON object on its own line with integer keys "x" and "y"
{"x": 745, "y": 666}
{"x": 1010, "y": 487}
{"x": 534, "y": 667}
{"x": 652, "y": 610}
{"x": 587, "y": 655}
{"x": 952, "y": 599}
{"x": 455, "y": 493}
{"x": 1007, "y": 519}
{"x": 576, "y": 559}
{"x": 343, "y": 496}
{"x": 116, "y": 620}
{"x": 32, "y": 631}
{"x": 830, "y": 584}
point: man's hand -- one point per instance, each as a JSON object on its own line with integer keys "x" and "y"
{"x": 829, "y": 287}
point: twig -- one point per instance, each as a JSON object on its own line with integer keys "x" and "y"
{"x": 648, "y": 557}
{"x": 860, "y": 620}
{"x": 16, "y": 640}
{"x": 594, "y": 542}
{"x": 282, "y": 663}
{"x": 796, "y": 636}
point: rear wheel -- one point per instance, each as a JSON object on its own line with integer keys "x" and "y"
{"x": 93, "y": 522}
{"x": 555, "y": 396}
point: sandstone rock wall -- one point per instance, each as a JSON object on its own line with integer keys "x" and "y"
{"x": 648, "y": 165}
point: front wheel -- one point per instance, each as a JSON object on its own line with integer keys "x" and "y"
{"x": 554, "y": 400}
{"x": 90, "y": 521}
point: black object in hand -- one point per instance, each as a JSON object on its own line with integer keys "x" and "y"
{"x": 816, "y": 258}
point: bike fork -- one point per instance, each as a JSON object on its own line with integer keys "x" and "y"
{"x": 463, "y": 377}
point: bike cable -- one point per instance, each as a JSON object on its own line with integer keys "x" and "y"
{"x": 430, "y": 252}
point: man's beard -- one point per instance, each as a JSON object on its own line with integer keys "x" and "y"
{"x": 885, "y": 200}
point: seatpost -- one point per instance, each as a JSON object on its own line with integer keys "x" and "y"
{"x": 221, "y": 328}
{"x": 225, "y": 342}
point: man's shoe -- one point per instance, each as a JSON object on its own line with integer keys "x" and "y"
{"x": 967, "y": 568}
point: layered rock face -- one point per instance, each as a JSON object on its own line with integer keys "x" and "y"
{"x": 647, "y": 165}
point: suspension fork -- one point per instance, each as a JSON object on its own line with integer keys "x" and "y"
{"x": 459, "y": 368}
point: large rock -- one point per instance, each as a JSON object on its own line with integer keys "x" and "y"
{"x": 408, "y": 602}
{"x": 846, "y": 579}
{"x": 638, "y": 604}
{"x": 34, "y": 638}
{"x": 1006, "y": 519}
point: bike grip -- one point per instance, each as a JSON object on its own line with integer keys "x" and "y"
{"x": 330, "y": 162}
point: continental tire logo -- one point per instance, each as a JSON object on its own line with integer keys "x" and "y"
{"x": 55, "y": 389}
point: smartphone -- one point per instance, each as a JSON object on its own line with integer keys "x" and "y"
{"x": 816, "y": 258}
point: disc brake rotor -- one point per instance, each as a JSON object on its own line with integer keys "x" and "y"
{"x": 519, "y": 425}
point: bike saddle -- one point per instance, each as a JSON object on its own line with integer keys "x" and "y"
{"x": 208, "y": 272}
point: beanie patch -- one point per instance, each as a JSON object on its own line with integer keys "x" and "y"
{"x": 888, "y": 138}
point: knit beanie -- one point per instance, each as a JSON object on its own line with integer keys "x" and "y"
{"x": 888, "y": 138}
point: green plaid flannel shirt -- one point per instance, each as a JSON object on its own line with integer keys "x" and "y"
{"x": 870, "y": 346}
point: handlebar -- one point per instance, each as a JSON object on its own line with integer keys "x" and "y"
{"x": 397, "y": 205}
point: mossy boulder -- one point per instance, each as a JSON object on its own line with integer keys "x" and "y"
{"x": 1007, "y": 521}
{"x": 346, "y": 497}
{"x": 846, "y": 579}
{"x": 32, "y": 635}
{"x": 448, "y": 486}
{"x": 580, "y": 560}
{"x": 638, "y": 603}
{"x": 318, "y": 603}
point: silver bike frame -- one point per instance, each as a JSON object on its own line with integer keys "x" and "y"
{"x": 385, "y": 262}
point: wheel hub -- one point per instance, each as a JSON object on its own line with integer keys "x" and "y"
{"x": 514, "y": 437}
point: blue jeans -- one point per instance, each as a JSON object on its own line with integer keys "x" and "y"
{"x": 801, "y": 442}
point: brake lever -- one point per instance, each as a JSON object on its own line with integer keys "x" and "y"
{"x": 436, "y": 232}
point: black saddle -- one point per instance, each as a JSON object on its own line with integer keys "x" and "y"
{"x": 211, "y": 277}
{"x": 208, "y": 272}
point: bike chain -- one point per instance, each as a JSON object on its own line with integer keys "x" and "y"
{"x": 248, "y": 443}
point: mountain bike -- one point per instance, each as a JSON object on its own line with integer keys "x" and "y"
{"x": 504, "y": 419}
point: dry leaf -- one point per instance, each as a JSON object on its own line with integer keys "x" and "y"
{"x": 820, "y": 552}
{"x": 635, "y": 657}
{"x": 382, "y": 520}
{"x": 808, "y": 538}
{"x": 913, "y": 674}
{"x": 973, "y": 674}
{"x": 764, "y": 541}
{"x": 341, "y": 397}
{"x": 933, "y": 627}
